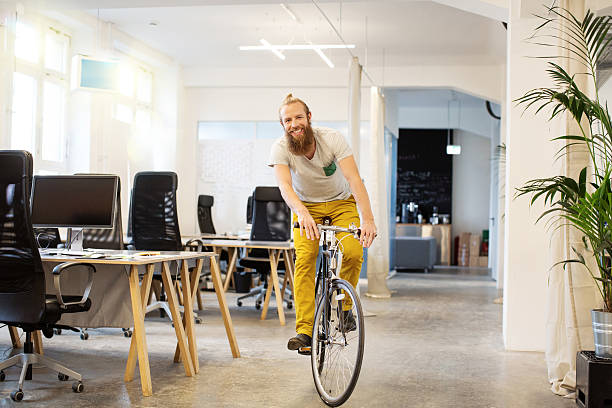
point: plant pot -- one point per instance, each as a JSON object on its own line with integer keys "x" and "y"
{"x": 602, "y": 333}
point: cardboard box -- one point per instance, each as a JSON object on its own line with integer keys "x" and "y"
{"x": 474, "y": 261}
{"x": 483, "y": 261}
{"x": 463, "y": 255}
{"x": 474, "y": 245}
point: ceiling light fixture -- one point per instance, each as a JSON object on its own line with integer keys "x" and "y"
{"x": 294, "y": 47}
{"x": 324, "y": 57}
{"x": 291, "y": 13}
{"x": 274, "y": 49}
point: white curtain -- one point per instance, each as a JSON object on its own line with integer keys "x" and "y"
{"x": 7, "y": 66}
{"x": 354, "y": 120}
{"x": 378, "y": 254}
{"x": 571, "y": 291}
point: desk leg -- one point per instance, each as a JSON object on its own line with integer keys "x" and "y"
{"x": 227, "y": 319}
{"x": 139, "y": 337}
{"x": 194, "y": 280}
{"x": 14, "y": 337}
{"x": 145, "y": 293}
{"x": 38, "y": 344}
{"x": 233, "y": 252}
{"x": 289, "y": 266}
{"x": 176, "y": 319}
{"x": 288, "y": 257}
{"x": 188, "y": 316}
{"x": 274, "y": 256}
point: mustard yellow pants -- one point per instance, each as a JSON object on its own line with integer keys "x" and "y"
{"x": 342, "y": 213}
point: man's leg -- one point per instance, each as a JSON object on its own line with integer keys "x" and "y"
{"x": 343, "y": 213}
{"x": 304, "y": 280}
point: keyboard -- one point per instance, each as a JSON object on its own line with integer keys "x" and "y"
{"x": 66, "y": 252}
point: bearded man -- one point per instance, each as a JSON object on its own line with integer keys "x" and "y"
{"x": 318, "y": 177}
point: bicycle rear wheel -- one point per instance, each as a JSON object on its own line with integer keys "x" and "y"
{"x": 338, "y": 342}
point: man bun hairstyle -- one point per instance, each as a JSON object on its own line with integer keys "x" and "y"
{"x": 289, "y": 99}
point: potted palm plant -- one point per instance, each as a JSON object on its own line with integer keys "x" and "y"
{"x": 584, "y": 202}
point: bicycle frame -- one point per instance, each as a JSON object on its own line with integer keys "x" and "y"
{"x": 329, "y": 269}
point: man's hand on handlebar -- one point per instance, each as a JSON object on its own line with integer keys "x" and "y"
{"x": 368, "y": 232}
{"x": 308, "y": 226}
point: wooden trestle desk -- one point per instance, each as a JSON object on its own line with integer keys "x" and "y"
{"x": 139, "y": 294}
{"x": 275, "y": 249}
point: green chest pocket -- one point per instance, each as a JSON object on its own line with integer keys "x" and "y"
{"x": 331, "y": 169}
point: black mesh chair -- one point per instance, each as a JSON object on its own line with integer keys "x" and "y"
{"x": 154, "y": 221}
{"x": 154, "y": 215}
{"x": 271, "y": 221}
{"x": 23, "y": 300}
{"x": 205, "y": 221}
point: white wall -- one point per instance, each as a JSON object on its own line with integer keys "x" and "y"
{"x": 244, "y": 104}
{"x": 529, "y": 156}
{"x": 478, "y": 80}
{"x": 471, "y": 183}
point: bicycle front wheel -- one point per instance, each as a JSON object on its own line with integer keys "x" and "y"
{"x": 338, "y": 338}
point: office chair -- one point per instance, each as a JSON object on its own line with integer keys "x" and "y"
{"x": 154, "y": 220}
{"x": 23, "y": 300}
{"x": 271, "y": 219}
{"x": 205, "y": 221}
{"x": 103, "y": 238}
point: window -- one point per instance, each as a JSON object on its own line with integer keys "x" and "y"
{"x": 134, "y": 102}
{"x": 40, "y": 90}
{"x": 26, "y": 42}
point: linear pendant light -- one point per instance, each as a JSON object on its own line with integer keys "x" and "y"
{"x": 324, "y": 57}
{"x": 269, "y": 47}
{"x": 294, "y": 47}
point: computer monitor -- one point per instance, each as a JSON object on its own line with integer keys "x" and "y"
{"x": 74, "y": 202}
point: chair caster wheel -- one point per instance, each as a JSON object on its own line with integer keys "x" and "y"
{"x": 127, "y": 333}
{"x": 17, "y": 395}
{"x": 257, "y": 306}
{"x": 57, "y": 331}
{"x": 62, "y": 377}
{"x": 2, "y": 376}
{"x": 198, "y": 320}
{"x": 84, "y": 336}
{"x": 239, "y": 303}
{"x": 77, "y": 387}
{"x": 289, "y": 305}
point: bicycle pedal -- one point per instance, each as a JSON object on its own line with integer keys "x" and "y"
{"x": 305, "y": 351}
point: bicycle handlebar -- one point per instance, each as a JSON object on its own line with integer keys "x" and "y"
{"x": 334, "y": 228}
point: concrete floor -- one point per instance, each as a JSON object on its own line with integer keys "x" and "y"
{"x": 436, "y": 343}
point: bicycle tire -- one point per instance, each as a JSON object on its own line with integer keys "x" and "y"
{"x": 322, "y": 351}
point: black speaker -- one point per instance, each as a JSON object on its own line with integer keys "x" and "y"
{"x": 593, "y": 381}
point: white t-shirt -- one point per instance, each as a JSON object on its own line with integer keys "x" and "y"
{"x": 319, "y": 179}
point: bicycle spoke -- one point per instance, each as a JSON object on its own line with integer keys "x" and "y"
{"x": 337, "y": 357}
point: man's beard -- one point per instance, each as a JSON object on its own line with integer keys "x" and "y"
{"x": 301, "y": 145}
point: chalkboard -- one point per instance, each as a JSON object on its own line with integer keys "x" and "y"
{"x": 424, "y": 171}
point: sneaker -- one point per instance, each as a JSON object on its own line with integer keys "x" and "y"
{"x": 299, "y": 341}
{"x": 349, "y": 321}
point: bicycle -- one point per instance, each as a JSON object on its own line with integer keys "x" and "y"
{"x": 337, "y": 340}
